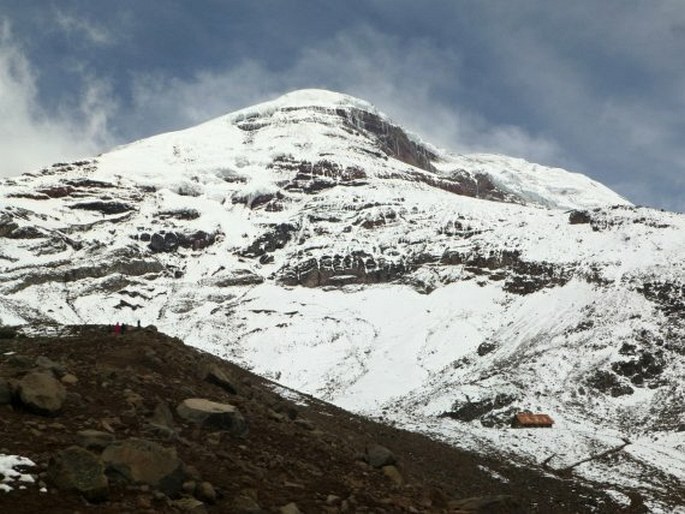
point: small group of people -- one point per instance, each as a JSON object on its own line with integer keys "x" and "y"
{"x": 120, "y": 328}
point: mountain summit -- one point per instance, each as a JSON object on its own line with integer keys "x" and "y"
{"x": 319, "y": 126}
{"x": 319, "y": 244}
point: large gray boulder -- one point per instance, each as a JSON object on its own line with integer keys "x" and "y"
{"x": 76, "y": 469}
{"x": 220, "y": 416}
{"x": 138, "y": 461}
{"x": 41, "y": 393}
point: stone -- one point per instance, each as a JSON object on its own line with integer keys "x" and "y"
{"x": 41, "y": 393}
{"x": 162, "y": 416}
{"x": 221, "y": 416}
{"x": 205, "y": 492}
{"x": 20, "y": 362}
{"x": 291, "y": 508}
{"x": 76, "y": 469}
{"x": 49, "y": 365}
{"x": 189, "y": 505}
{"x": 69, "y": 379}
{"x": 215, "y": 375}
{"x": 379, "y": 456}
{"x": 138, "y": 461}
{"x": 94, "y": 439}
{"x": 394, "y": 475}
{"x": 332, "y": 499}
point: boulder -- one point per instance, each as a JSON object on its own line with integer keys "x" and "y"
{"x": 394, "y": 475}
{"x": 379, "y": 456}
{"x": 76, "y": 469}
{"x": 94, "y": 439}
{"x": 204, "y": 491}
{"x": 291, "y": 508}
{"x": 215, "y": 375}
{"x": 20, "y": 362}
{"x": 49, "y": 365}
{"x": 162, "y": 416}
{"x": 41, "y": 393}
{"x": 190, "y": 505}
{"x": 221, "y": 416}
{"x": 139, "y": 461}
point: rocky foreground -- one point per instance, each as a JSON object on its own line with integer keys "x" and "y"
{"x": 139, "y": 422}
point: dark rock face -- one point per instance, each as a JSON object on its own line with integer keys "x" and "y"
{"x": 76, "y": 469}
{"x": 171, "y": 241}
{"x": 11, "y": 229}
{"x": 486, "y": 347}
{"x": 579, "y": 217}
{"x": 274, "y": 239}
{"x": 462, "y": 183}
{"x": 317, "y": 176}
{"x": 469, "y": 411}
{"x": 103, "y": 207}
{"x": 645, "y": 367}
{"x": 356, "y": 268}
{"x": 179, "y": 214}
{"x": 609, "y": 383}
{"x": 669, "y": 296}
{"x": 521, "y": 277}
{"x": 393, "y": 141}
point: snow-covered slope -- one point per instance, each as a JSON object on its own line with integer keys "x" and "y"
{"x": 316, "y": 242}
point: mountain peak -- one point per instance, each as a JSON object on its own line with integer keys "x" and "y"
{"x": 315, "y": 98}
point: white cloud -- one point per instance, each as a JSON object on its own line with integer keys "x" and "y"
{"x": 29, "y": 136}
{"x": 92, "y": 32}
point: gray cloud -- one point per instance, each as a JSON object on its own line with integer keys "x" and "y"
{"x": 402, "y": 78}
{"x": 91, "y": 32}
{"x": 30, "y": 137}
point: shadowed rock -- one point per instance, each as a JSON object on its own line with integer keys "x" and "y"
{"x": 76, "y": 469}
{"x": 139, "y": 461}
{"x": 211, "y": 414}
{"x": 41, "y": 393}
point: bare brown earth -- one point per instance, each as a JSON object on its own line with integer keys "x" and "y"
{"x": 306, "y": 455}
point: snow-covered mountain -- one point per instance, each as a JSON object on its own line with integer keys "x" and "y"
{"x": 316, "y": 242}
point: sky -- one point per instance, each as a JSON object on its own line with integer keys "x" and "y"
{"x": 593, "y": 87}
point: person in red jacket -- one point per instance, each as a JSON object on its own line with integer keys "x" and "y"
{"x": 117, "y": 328}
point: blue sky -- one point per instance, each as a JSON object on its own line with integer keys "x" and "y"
{"x": 594, "y": 87}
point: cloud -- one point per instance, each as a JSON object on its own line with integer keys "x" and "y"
{"x": 30, "y": 137}
{"x": 404, "y": 78}
{"x": 80, "y": 27}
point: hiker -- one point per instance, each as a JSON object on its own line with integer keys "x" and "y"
{"x": 123, "y": 328}
{"x": 138, "y": 323}
{"x": 117, "y": 328}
